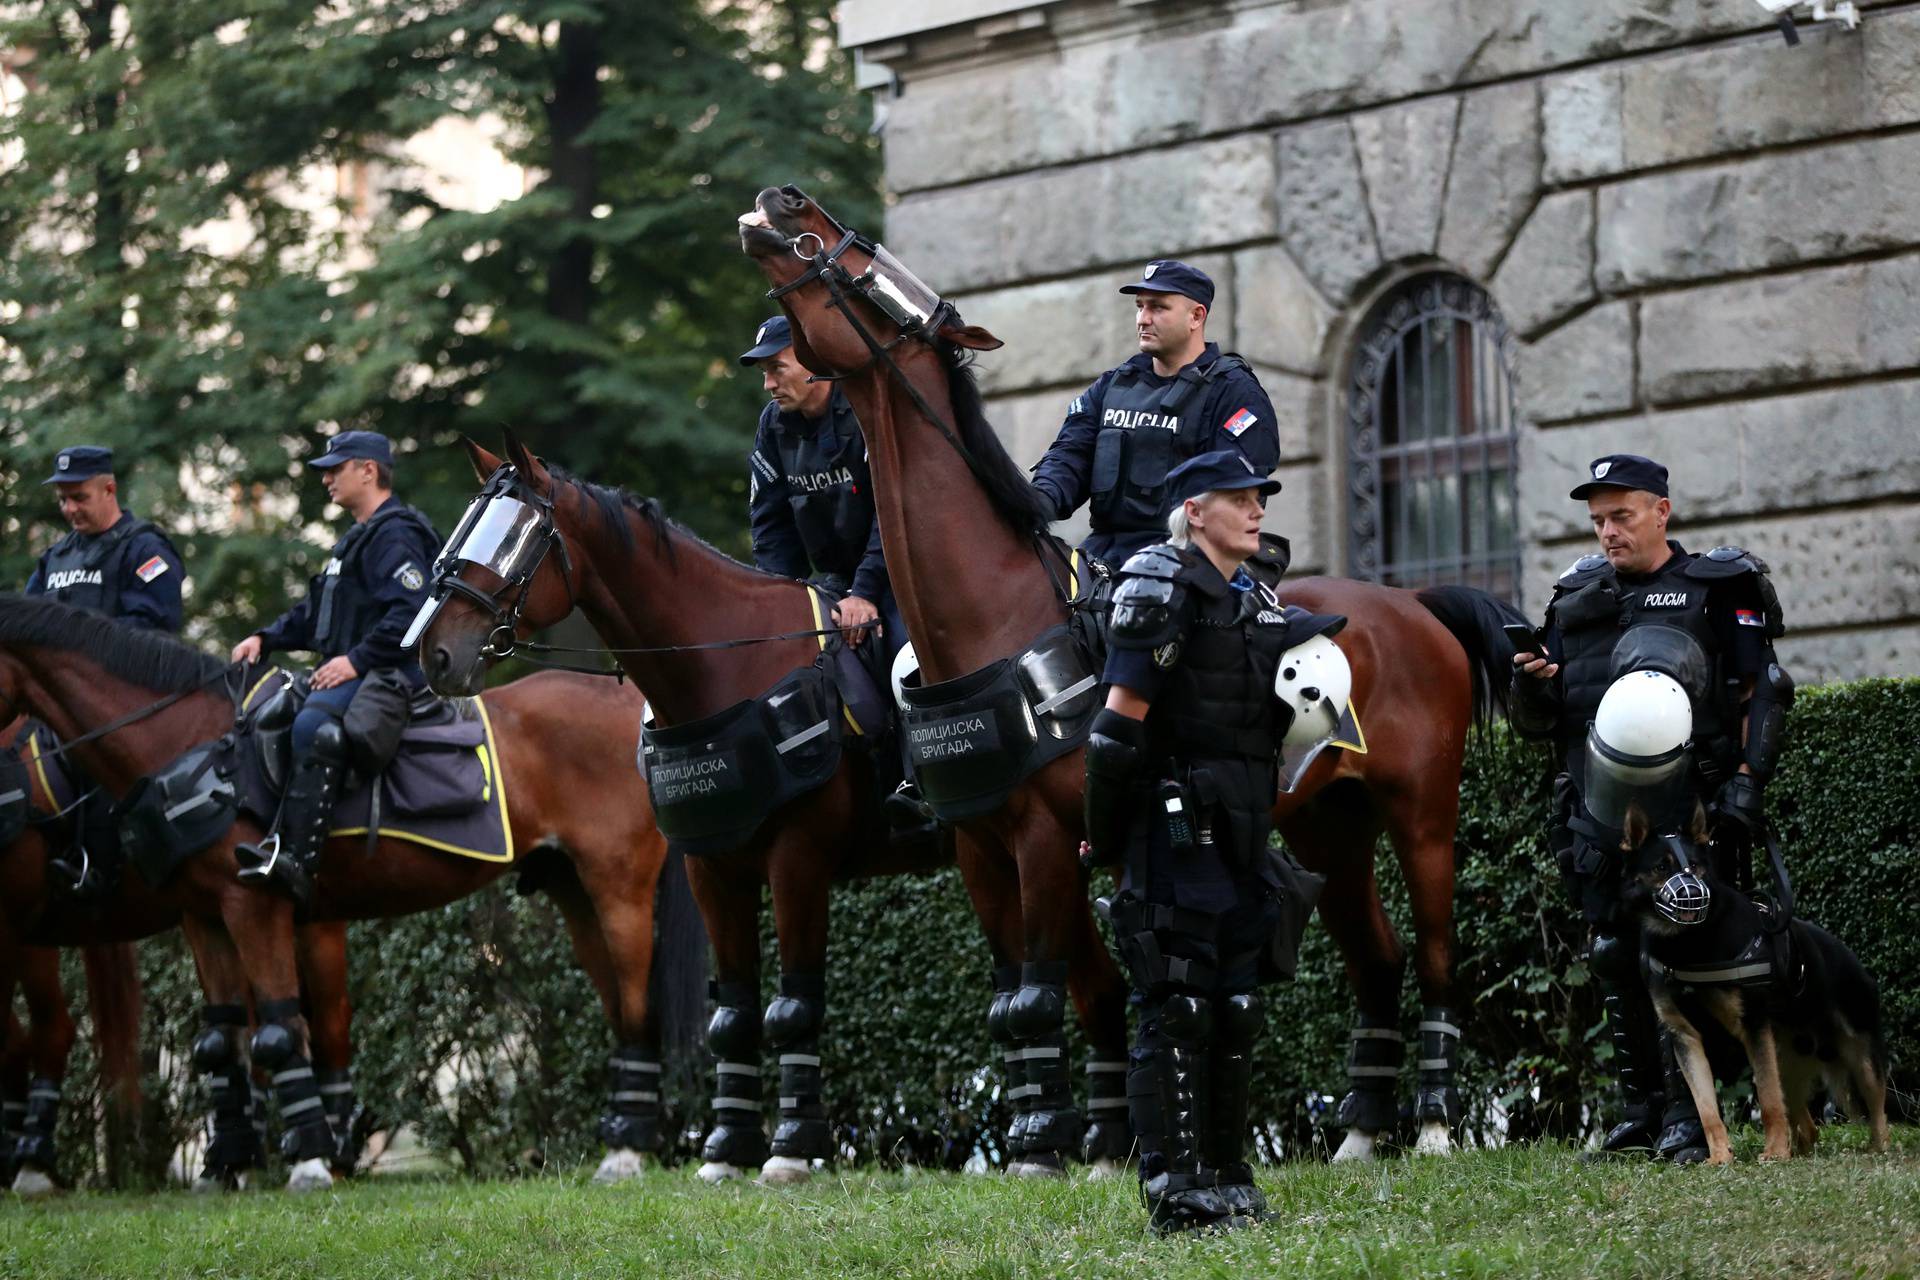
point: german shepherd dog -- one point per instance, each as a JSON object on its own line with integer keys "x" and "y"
{"x": 1818, "y": 1020}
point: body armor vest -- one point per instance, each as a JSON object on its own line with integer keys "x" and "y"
{"x": 87, "y": 570}
{"x": 832, "y": 499}
{"x": 344, "y": 611}
{"x": 1217, "y": 701}
{"x": 1145, "y": 432}
{"x": 1594, "y": 609}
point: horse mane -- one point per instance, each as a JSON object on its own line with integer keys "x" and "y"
{"x": 150, "y": 659}
{"x": 612, "y": 505}
{"x": 1010, "y": 492}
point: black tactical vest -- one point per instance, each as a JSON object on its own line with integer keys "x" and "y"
{"x": 1146, "y": 431}
{"x": 1217, "y": 701}
{"x": 86, "y": 570}
{"x": 1594, "y": 609}
{"x": 344, "y": 610}
{"x": 832, "y": 497}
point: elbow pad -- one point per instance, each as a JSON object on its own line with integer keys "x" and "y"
{"x": 1767, "y": 720}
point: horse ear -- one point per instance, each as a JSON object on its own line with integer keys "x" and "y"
{"x": 525, "y": 462}
{"x": 484, "y": 463}
{"x": 970, "y": 336}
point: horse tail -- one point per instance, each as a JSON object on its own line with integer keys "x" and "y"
{"x": 677, "y": 998}
{"x": 1474, "y": 618}
{"x": 113, "y": 997}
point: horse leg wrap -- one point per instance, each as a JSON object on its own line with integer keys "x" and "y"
{"x": 632, "y": 1121}
{"x": 13, "y": 1120}
{"x": 296, "y": 1091}
{"x": 1373, "y": 1068}
{"x": 737, "y": 1137}
{"x": 792, "y": 1028}
{"x": 35, "y": 1146}
{"x": 345, "y": 1116}
{"x": 1006, "y": 979}
{"x": 1438, "y": 1098}
{"x": 1036, "y": 1020}
{"x": 1108, "y": 1137}
{"x": 236, "y": 1124}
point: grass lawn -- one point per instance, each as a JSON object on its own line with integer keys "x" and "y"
{"x": 1511, "y": 1212}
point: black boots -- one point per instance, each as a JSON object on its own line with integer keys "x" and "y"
{"x": 287, "y": 859}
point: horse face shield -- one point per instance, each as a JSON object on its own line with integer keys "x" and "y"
{"x": 902, "y": 296}
{"x": 498, "y": 533}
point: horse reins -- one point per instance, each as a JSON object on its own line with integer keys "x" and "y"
{"x": 131, "y": 717}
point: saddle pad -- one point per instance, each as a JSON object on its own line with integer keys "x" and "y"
{"x": 444, "y": 790}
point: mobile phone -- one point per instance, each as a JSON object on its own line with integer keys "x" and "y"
{"x": 1525, "y": 639}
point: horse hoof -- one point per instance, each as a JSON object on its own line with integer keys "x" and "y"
{"x": 1035, "y": 1169}
{"x": 1104, "y": 1170}
{"x": 31, "y": 1184}
{"x": 621, "y": 1165}
{"x": 1357, "y": 1149}
{"x": 1433, "y": 1140}
{"x": 785, "y": 1171}
{"x": 310, "y": 1175}
{"x": 713, "y": 1173}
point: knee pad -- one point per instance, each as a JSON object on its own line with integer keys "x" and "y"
{"x": 327, "y": 739}
{"x": 797, "y": 1012}
{"x": 733, "y": 1034}
{"x": 1614, "y": 960}
{"x": 213, "y": 1050}
{"x": 1004, "y": 981}
{"x": 1185, "y": 1019}
{"x": 1039, "y": 1007}
{"x": 1238, "y": 1019}
{"x": 272, "y": 1047}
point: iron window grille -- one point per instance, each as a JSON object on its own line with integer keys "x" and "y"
{"x": 1432, "y": 441}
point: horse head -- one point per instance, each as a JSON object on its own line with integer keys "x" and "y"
{"x": 848, "y": 298}
{"x": 506, "y": 572}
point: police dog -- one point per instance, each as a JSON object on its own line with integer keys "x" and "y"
{"x": 1816, "y": 1016}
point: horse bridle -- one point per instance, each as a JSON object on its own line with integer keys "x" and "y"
{"x": 503, "y": 636}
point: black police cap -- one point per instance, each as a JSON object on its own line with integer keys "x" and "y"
{"x": 1164, "y": 275}
{"x": 349, "y": 445}
{"x": 1623, "y": 471}
{"x": 1211, "y": 472}
{"x": 770, "y": 339}
{"x": 82, "y": 462}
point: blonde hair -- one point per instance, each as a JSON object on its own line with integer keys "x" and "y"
{"x": 1178, "y": 531}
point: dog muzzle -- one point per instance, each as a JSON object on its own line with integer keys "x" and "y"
{"x": 1683, "y": 898}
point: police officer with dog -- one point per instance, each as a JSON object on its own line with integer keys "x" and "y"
{"x": 113, "y": 563}
{"x": 1181, "y": 780}
{"x": 1178, "y": 398}
{"x": 356, "y": 612}
{"x": 1709, "y": 622}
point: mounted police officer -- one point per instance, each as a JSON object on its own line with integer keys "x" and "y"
{"x": 112, "y": 562}
{"x": 355, "y": 614}
{"x": 116, "y": 564}
{"x": 1646, "y": 603}
{"x": 1181, "y": 780}
{"x": 1178, "y": 398}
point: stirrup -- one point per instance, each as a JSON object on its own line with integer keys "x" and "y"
{"x": 265, "y": 865}
{"x": 80, "y": 883}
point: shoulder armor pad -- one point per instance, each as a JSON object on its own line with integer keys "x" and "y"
{"x": 1228, "y": 363}
{"x": 1582, "y": 571}
{"x": 1147, "y": 611}
{"x": 1726, "y": 562}
{"x": 1161, "y": 560}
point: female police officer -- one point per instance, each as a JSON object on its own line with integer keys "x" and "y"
{"x": 1180, "y": 783}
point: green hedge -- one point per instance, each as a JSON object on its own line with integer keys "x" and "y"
{"x": 485, "y": 994}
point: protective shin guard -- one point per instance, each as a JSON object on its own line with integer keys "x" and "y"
{"x": 34, "y": 1150}
{"x": 1006, "y": 979}
{"x": 792, "y": 1027}
{"x": 1237, "y": 1020}
{"x": 1170, "y": 1080}
{"x": 1439, "y": 1097}
{"x": 1108, "y": 1137}
{"x": 345, "y": 1116}
{"x": 737, "y": 1137}
{"x": 1373, "y": 1067}
{"x": 296, "y": 1092}
{"x": 632, "y": 1119}
{"x": 1682, "y": 1140}
{"x": 1632, "y": 1028}
{"x": 1036, "y": 1019}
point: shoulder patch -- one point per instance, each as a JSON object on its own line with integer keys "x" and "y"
{"x": 1167, "y": 654}
{"x": 152, "y": 569}
{"x": 410, "y": 576}
{"x": 1240, "y": 421}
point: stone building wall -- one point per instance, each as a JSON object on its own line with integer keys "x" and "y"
{"x": 1707, "y": 243}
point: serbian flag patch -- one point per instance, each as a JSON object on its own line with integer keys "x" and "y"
{"x": 151, "y": 569}
{"x": 1748, "y": 618}
{"x": 1239, "y": 422}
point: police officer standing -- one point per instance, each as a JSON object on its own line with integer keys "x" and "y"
{"x": 1180, "y": 784}
{"x": 356, "y": 613}
{"x": 1645, "y": 603}
{"x": 112, "y": 562}
{"x": 1178, "y": 398}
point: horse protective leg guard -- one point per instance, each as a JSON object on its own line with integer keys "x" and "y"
{"x": 235, "y": 1139}
{"x": 632, "y": 1119}
{"x": 13, "y": 1119}
{"x": 1438, "y": 1100}
{"x": 345, "y": 1116}
{"x": 738, "y": 1137}
{"x": 1373, "y": 1067}
{"x": 1006, "y": 979}
{"x": 1108, "y": 1135}
{"x": 34, "y": 1150}
{"x": 296, "y": 1092}
{"x": 1237, "y": 1021}
{"x": 1036, "y": 1021}
{"x": 792, "y": 1028}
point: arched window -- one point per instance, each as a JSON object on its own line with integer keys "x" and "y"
{"x": 1431, "y": 441}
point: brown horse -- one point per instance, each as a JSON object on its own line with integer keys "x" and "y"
{"x": 965, "y": 541}
{"x": 656, "y": 593}
{"x": 602, "y": 863}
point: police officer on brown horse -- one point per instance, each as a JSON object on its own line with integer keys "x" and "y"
{"x": 1181, "y": 782}
{"x": 1708, "y": 621}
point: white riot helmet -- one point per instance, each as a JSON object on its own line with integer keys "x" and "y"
{"x": 905, "y": 665}
{"x": 1315, "y": 681}
{"x": 1637, "y": 750}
